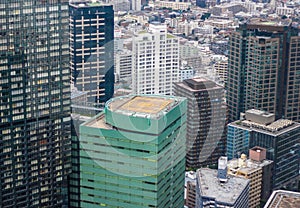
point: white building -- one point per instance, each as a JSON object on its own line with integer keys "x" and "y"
{"x": 186, "y": 72}
{"x": 284, "y": 11}
{"x": 155, "y": 61}
{"x": 123, "y": 65}
{"x": 220, "y": 67}
{"x": 136, "y": 5}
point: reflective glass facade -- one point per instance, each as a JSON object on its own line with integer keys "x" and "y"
{"x": 281, "y": 146}
{"x": 263, "y": 69}
{"x": 133, "y": 160}
{"x": 34, "y": 103}
{"x": 92, "y": 50}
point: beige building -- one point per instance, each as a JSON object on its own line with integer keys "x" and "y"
{"x": 253, "y": 169}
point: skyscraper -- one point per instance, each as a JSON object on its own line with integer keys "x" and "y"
{"x": 132, "y": 155}
{"x": 279, "y": 137}
{"x": 92, "y": 49}
{"x": 263, "y": 72}
{"x": 34, "y": 103}
{"x": 155, "y": 61}
{"x": 206, "y": 121}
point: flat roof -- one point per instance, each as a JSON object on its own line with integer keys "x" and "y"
{"x": 275, "y": 128}
{"x": 283, "y": 199}
{"x": 150, "y": 105}
{"x": 98, "y": 122}
{"x": 270, "y": 22}
{"x": 223, "y": 192}
{"x": 251, "y": 165}
{"x": 84, "y": 4}
{"x": 199, "y": 84}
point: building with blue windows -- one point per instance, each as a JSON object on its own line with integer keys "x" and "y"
{"x": 92, "y": 49}
{"x": 279, "y": 137}
{"x": 237, "y": 141}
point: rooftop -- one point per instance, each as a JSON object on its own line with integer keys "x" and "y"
{"x": 91, "y": 3}
{"x": 270, "y": 22}
{"x": 143, "y": 106}
{"x": 223, "y": 192}
{"x": 283, "y": 199}
{"x": 275, "y": 128}
{"x": 98, "y": 122}
{"x": 265, "y": 122}
{"x": 199, "y": 84}
{"x": 250, "y": 165}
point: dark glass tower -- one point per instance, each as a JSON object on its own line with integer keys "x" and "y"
{"x": 34, "y": 103}
{"x": 206, "y": 121}
{"x": 92, "y": 49}
{"x": 263, "y": 69}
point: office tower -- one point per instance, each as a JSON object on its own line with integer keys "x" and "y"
{"x": 34, "y": 103}
{"x": 262, "y": 69}
{"x": 92, "y": 49}
{"x": 155, "y": 61}
{"x": 278, "y": 137}
{"x": 132, "y": 155}
{"x": 211, "y": 192}
{"x": 206, "y": 121}
{"x": 282, "y": 198}
{"x": 253, "y": 169}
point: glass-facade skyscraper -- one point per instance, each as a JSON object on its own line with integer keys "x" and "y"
{"x": 92, "y": 49}
{"x": 133, "y": 154}
{"x": 206, "y": 121}
{"x": 263, "y": 69}
{"x": 34, "y": 103}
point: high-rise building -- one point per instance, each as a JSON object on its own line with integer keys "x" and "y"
{"x": 34, "y": 103}
{"x": 257, "y": 170}
{"x": 279, "y": 137}
{"x": 132, "y": 155}
{"x": 92, "y": 49}
{"x": 212, "y": 191}
{"x": 155, "y": 61}
{"x": 262, "y": 69}
{"x": 206, "y": 121}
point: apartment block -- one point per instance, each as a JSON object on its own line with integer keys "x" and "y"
{"x": 155, "y": 61}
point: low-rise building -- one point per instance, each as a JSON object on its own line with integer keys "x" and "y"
{"x": 215, "y": 189}
{"x": 256, "y": 168}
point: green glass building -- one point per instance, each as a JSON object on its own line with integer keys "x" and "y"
{"x": 133, "y": 154}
